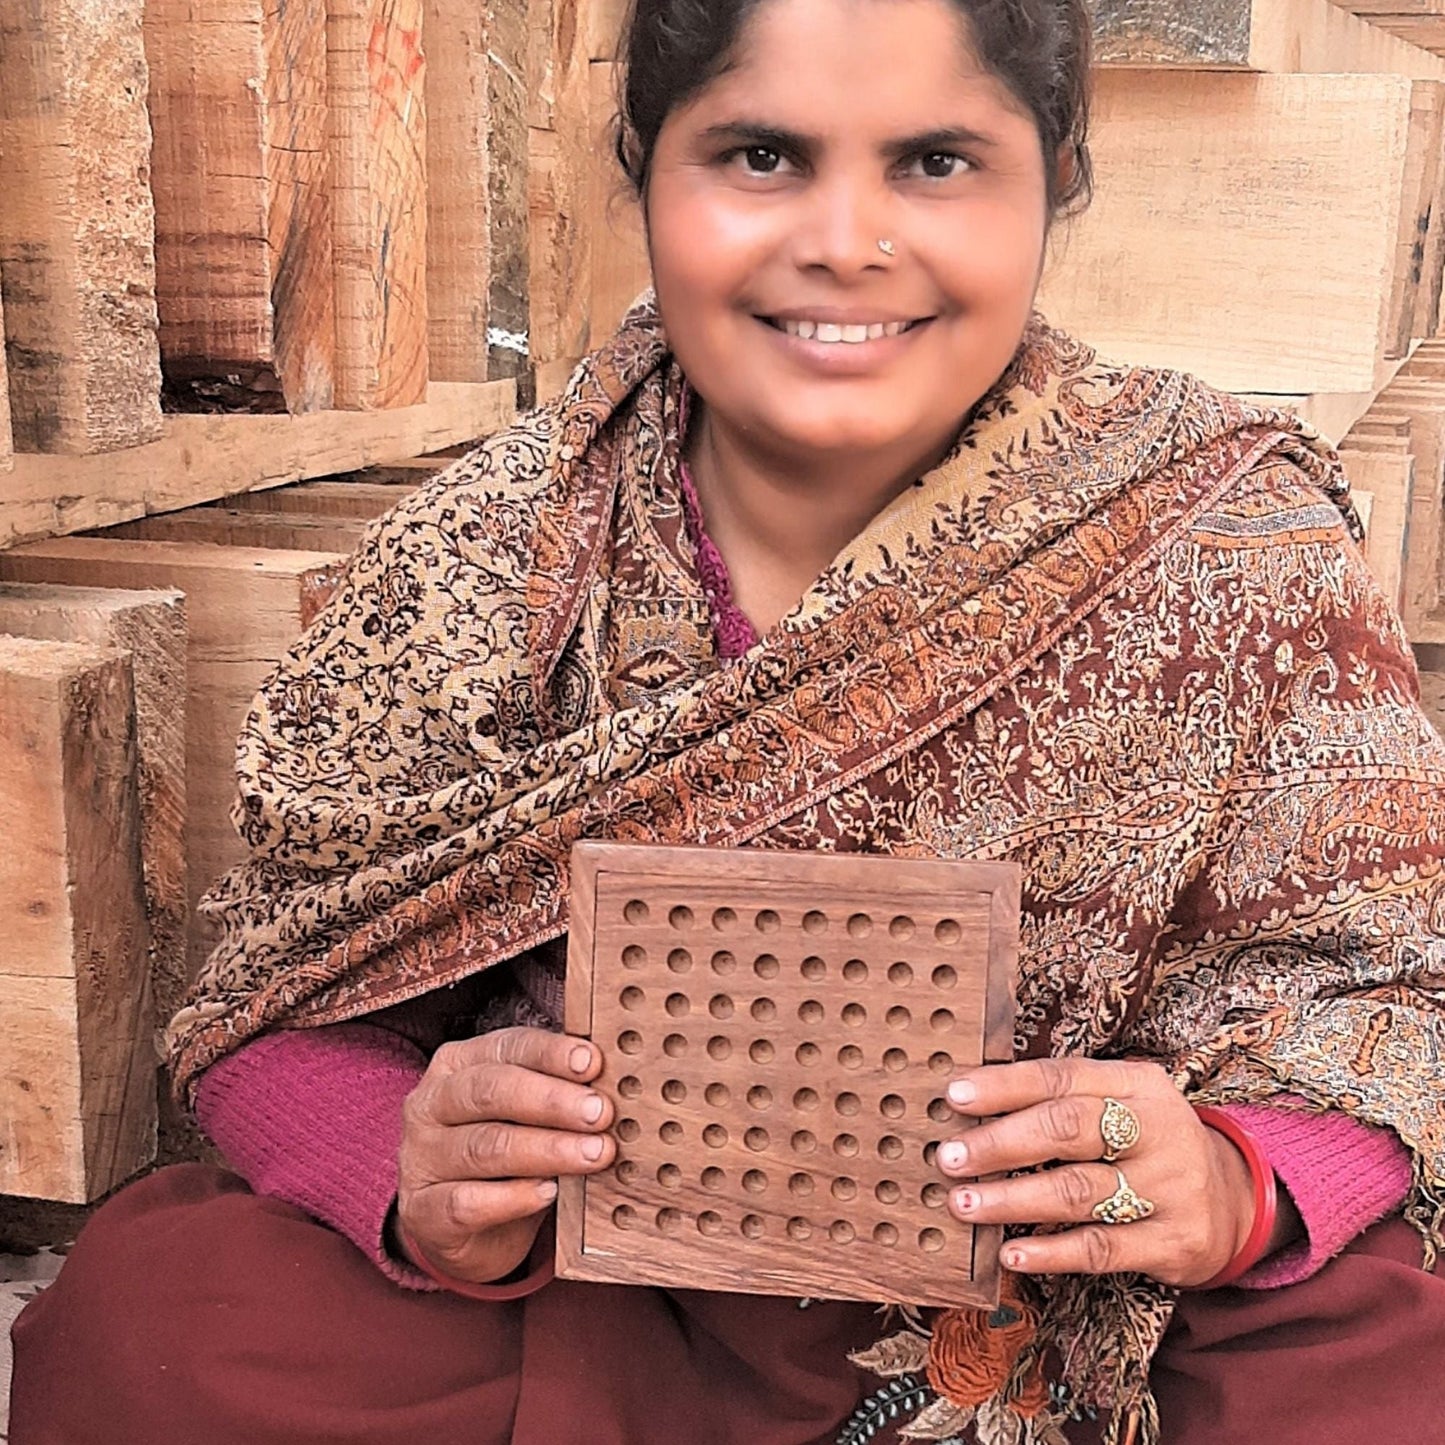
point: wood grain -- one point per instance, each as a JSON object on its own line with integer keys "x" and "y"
{"x": 7, "y": 441}
{"x": 77, "y": 1071}
{"x": 243, "y": 202}
{"x": 359, "y": 500}
{"x": 377, "y": 78}
{"x": 778, "y": 1030}
{"x": 247, "y": 527}
{"x": 1383, "y": 466}
{"x": 77, "y": 227}
{"x": 620, "y": 270}
{"x": 203, "y": 458}
{"x": 245, "y": 608}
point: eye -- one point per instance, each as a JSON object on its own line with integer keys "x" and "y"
{"x": 759, "y": 160}
{"x": 940, "y": 165}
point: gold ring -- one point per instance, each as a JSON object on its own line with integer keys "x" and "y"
{"x": 1123, "y": 1206}
{"x": 1120, "y": 1128}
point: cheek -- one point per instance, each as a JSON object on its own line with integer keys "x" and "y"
{"x": 705, "y": 248}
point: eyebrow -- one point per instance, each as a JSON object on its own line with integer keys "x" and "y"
{"x": 747, "y": 132}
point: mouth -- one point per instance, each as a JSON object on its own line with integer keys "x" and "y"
{"x": 833, "y": 333}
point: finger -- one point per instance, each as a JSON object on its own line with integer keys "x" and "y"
{"x": 560, "y": 1055}
{"x": 1089, "y": 1249}
{"x": 1068, "y": 1128}
{"x": 1066, "y": 1195}
{"x": 518, "y": 1095}
{"x": 513, "y": 1151}
{"x": 1006, "y": 1088}
{"x": 459, "y": 1209}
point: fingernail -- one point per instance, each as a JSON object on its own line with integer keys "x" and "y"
{"x": 961, "y": 1092}
{"x": 547, "y": 1190}
{"x": 592, "y": 1109}
{"x": 965, "y": 1201}
{"x": 1013, "y": 1259}
{"x": 592, "y": 1149}
{"x": 953, "y": 1157}
{"x": 580, "y": 1059}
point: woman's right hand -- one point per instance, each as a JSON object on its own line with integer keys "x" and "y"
{"x": 486, "y": 1134}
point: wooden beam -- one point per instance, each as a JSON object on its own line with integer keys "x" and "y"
{"x": 509, "y": 240}
{"x": 77, "y": 1067}
{"x": 245, "y": 606}
{"x": 77, "y": 227}
{"x": 377, "y": 75}
{"x": 619, "y": 252}
{"x": 239, "y": 527}
{"x": 7, "y": 444}
{"x": 202, "y": 458}
{"x": 1418, "y": 22}
{"x": 459, "y": 204}
{"x": 151, "y": 628}
{"x": 244, "y": 274}
{"x": 1281, "y": 199}
{"x": 1386, "y": 470}
{"x": 359, "y": 500}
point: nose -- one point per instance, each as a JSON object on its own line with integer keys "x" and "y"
{"x": 843, "y": 221}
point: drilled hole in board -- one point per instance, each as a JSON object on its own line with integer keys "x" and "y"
{"x": 901, "y": 927}
{"x": 841, "y": 1232}
{"x": 803, "y": 1142}
{"x": 890, "y": 1146}
{"x": 799, "y": 1228}
{"x": 709, "y": 1222}
{"x": 678, "y": 1005}
{"x": 723, "y": 919}
{"x": 766, "y": 966}
{"x": 855, "y": 1015}
{"x": 948, "y": 931}
{"x": 855, "y": 970}
{"x": 714, "y": 1136}
{"x": 930, "y": 1152}
{"x": 713, "y": 1179}
{"x": 892, "y": 1106}
{"x": 845, "y": 1145}
{"x": 860, "y": 926}
{"x": 808, "y": 1054}
{"x": 764, "y": 1010}
{"x": 813, "y": 968}
{"x": 850, "y": 1056}
{"x": 931, "y": 1240}
{"x": 674, "y": 1045}
{"x": 634, "y": 956}
{"x": 670, "y": 1176}
{"x": 679, "y": 960}
{"x": 900, "y": 974}
{"x": 719, "y": 1048}
{"x": 895, "y": 1061}
{"x": 805, "y": 1099}
{"x": 940, "y": 1063}
{"x": 898, "y": 1017}
{"x": 636, "y": 911}
{"x": 751, "y": 1226}
{"x": 810, "y": 1011}
{"x": 941, "y": 1021}
{"x": 632, "y": 999}
{"x": 755, "y": 1181}
{"x": 848, "y": 1104}
{"x": 674, "y": 1091}
{"x": 768, "y": 921}
{"x": 629, "y": 1172}
{"x": 939, "y": 1111}
{"x": 630, "y": 1042}
{"x": 629, "y": 1086}
{"x": 935, "y": 1196}
{"x": 629, "y": 1130}
{"x": 680, "y": 917}
{"x": 886, "y": 1235}
{"x": 670, "y": 1132}
{"x": 844, "y": 1189}
{"x": 815, "y": 922}
{"x": 624, "y": 1217}
{"x": 801, "y": 1185}
{"x": 760, "y": 1097}
{"x": 720, "y": 1006}
{"x": 724, "y": 963}
{"x": 945, "y": 976}
{"x": 760, "y": 1051}
{"x": 756, "y": 1139}
{"x": 669, "y": 1221}
{"x": 717, "y": 1095}
{"x": 888, "y": 1192}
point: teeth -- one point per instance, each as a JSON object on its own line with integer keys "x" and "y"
{"x": 831, "y": 334}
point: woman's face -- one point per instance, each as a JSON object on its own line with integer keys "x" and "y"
{"x": 843, "y": 123}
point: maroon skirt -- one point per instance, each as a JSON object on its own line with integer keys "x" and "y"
{"x": 193, "y": 1312}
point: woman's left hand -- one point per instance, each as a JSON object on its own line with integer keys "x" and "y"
{"x": 1046, "y": 1114}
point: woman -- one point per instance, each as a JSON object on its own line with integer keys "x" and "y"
{"x": 834, "y": 548}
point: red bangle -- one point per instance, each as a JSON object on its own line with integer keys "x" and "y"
{"x": 494, "y": 1293}
{"x": 1266, "y": 1196}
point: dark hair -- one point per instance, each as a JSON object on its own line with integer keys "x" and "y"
{"x": 1040, "y": 49}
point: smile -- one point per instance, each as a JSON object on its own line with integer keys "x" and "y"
{"x": 835, "y": 334}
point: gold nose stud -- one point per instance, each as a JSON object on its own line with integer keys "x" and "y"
{"x": 888, "y": 248}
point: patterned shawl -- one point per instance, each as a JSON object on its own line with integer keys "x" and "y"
{"x": 1121, "y": 636}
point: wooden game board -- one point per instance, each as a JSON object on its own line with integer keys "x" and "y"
{"x": 779, "y": 1029}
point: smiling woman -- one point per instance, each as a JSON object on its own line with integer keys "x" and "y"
{"x": 836, "y": 545}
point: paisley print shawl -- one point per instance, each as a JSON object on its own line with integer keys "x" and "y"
{"x": 1122, "y": 636}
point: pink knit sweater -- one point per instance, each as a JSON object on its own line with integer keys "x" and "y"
{"x": 314, "y": 1117}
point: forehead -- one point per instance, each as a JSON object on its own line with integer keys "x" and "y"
{"x": 817, "y": 64}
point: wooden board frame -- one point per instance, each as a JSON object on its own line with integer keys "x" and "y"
{"x": 778, "y": 1030}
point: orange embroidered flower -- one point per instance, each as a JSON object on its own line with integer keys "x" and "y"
{"x": 973, "y": 1352}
